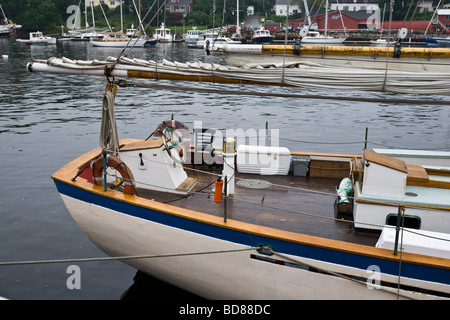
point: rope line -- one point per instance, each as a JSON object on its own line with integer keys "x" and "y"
{"x": 15, "y": 263}
{"x": 125, "y": 83}
{"x": 236, "y": 198}
{"x": 273, "y": 252}
{"x": 379, "y": 287}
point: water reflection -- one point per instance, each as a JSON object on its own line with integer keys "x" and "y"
{"x": 47, "y": 120}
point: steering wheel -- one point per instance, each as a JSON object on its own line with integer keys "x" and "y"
{"x": 174, "y": 145}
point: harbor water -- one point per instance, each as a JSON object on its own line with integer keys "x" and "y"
{"x": 46, "y": 120}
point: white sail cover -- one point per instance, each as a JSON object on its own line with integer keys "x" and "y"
{"x": 298, "y": 74}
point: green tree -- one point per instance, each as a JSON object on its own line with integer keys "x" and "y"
{"x": 40, "y": 15}
{"x": 33, "y": 15}
{"x": 400, "y": 9}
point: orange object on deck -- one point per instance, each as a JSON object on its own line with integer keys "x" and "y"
{"x": 218, "y": 191}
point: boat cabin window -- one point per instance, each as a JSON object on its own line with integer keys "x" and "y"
{"x": 412, "y": 222}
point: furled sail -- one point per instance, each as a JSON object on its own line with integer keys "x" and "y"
{"x": 296, "y": 74}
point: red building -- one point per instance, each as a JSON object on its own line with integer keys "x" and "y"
{"x": 336, "y": 21}
{"x": 181, "y": 6}
{"x": 442, "y": 23}
{"x": 272, "y": 26}
{"x": 354, "y": 21}
{"x": 417, "y": 25}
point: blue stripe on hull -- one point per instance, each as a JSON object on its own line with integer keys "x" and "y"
{"x": 332, "y": 256}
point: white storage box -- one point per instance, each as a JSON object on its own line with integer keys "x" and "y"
{"x": 263, "y": 160}
{"x": 421, "y": 242}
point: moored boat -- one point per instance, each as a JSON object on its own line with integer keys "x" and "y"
{"x": 118, "y": 40}
{"x": 250, "y": 227}
{"x": 314, "y": 37}
{"x": 445, "y": 42}
{"x": 37, "y": 38}
{"x": 262, "y": 36}
{"x": 192, "y": 36}
{"x": 7, "y": 28}
{"x": 214, "y": 41}
{"x": 363, "y": 57}
{"x": 163, "y": 34}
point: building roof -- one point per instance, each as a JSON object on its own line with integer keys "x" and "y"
{"x": 271, "y": 22}
{"x": 357, "y": 15}
{"x": 169, "y": 3}
{"x": 415, "y": 25}
{"x": 285, "y": 2}
{"x": 252, "y": 21}
{"x": 354, "y": 1}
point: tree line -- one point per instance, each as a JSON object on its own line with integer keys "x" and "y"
{"x": 50, "y": 15}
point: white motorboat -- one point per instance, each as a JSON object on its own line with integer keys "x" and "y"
{"x": 212, "y": 41}
{"x": 262, "y": 36}
{"x": 192, "y": 36}
{"x": 37, "y": 38}
{"x": 163, "y": 34}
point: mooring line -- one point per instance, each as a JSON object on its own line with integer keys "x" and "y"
{"x": 15, "y": 263}
{"x": 125, "y": 83}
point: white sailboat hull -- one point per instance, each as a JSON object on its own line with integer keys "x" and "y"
{"x": 119, "y": 43}
{"x": 47, "y": 40}
{"x": 324, "y": 40}
{"x": 228, "y": 275}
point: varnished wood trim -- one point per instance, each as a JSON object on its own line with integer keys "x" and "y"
{"x": 416, "y": 173}
{"x": 386, "y": 161}
{"x": 142, "y": 144}
{"x": 187, "y": 184}
{"x": 438, "y": 172}
{"x": 430, "y": 184}
{"x": 199, "y": 78}
{"x": 326, "y": 155}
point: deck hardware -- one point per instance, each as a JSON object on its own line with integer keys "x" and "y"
{"x": 218, "y": 190}
{"x": 401, "y": 211}
{"x": 142, "y": 165}
{"x": 265, "y": 249}
{"x": 297, "y": 46}
{"x": 225, "y": 199}
{"x": 105, "y": 161}
{"x": 397, "y": 49}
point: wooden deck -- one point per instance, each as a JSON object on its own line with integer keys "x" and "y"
{"x": 284, "y": 210}
{"x": 285, "y": 205}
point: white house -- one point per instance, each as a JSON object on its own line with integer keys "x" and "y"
{"x": 281, "y": 7}
{"x": 110, "y": 3}
{"x": 354, "y": 5}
